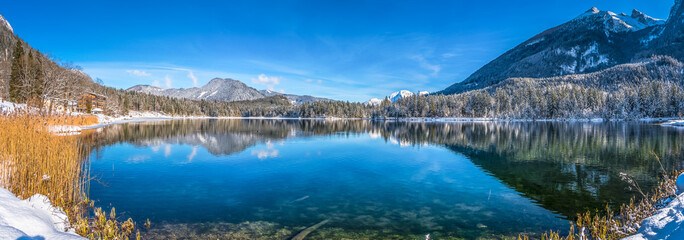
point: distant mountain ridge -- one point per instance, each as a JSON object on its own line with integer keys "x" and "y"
{"x": 395, "y": 96}
{"x": 221, "y": 89}
{"x": 593, "y": 41}
{"x": 218, "y": 89}
{"x": 295, "y": 99}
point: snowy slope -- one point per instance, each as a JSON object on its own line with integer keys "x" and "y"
{"x": 374, "y": 102}
{"x": 666, "y": 223}
{"x": 33, "y": 218}
{"x": 6, "y": 24}
{"x": 400, "y": 94}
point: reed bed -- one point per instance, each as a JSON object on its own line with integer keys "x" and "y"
{"x": 71, "y": 120}
{"x": 33, "y": 160}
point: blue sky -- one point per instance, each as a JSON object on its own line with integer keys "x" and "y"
{"x": 345, "y": 50}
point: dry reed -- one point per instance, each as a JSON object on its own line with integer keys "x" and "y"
{"x": 33, "y": 160}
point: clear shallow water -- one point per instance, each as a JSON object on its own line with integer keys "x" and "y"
{"x": 195, "y": 178}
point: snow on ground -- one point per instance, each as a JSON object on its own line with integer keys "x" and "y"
{"x": 64, "y": 130}
{"x": 666, "y": 223}
{"x": 10, "y": 107}
{"x": 676, "y": 123}
{"x": 33, "y": 218}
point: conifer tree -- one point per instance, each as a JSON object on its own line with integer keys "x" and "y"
{"x": 16, "y": 75}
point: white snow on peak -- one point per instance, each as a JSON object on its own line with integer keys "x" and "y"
{"x": 394, "y": 97}
{"x": 6, "y": 24}
{"x": 374, "y": 102}
{"x": 400, "y": 94}
{"x": 613, "y": 22}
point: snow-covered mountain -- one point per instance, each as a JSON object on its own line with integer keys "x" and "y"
{"x": 219, "y": 89}
{"x": 400, "y": 94}
{"x": 6, "y": 24}
{"x": 295, "y": 99}
{"x": 373, "y": 102}
{"x": 593, "y": 41}
{"x": 395, "y": 96}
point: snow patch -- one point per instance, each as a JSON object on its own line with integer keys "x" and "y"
{"x": 10, "y": 107}
{"x": 535, "y": 42}
{"x": 592, "y": 58}
{"x": 665, "y": 224}
{"x": 568, "y": 69}
{"x": 202, "y": 94}
{"x": 33, "y": 218}
{"x": 5, "y": 23}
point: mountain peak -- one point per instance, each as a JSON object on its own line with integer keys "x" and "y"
{"x": 5, "y": 23}
{"x": 593, "y": 10}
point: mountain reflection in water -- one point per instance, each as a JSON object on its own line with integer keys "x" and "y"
{"x": 566, "y": 168}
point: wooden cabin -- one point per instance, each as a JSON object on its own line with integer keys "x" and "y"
{"x": 91, "y": 101}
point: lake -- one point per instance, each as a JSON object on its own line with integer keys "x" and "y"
{"x": 271, "y": 179}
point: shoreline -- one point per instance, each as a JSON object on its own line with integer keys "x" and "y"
{"x": 139, "y": 117}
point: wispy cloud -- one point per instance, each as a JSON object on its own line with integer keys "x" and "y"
{"x": 138, "y": 73}
{"x": 434, "y": 68}
{"x": 191, "y": 75}
{"x": 270, "y": 82}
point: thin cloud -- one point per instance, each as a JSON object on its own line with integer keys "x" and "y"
{"x": 156, "y": 83}
{"x": 434, "y": 68}
{"x": 138, "y": 73}
{"x": 191, "y": 75}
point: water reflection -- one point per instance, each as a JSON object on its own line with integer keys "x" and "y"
{"x": 564, "y": 167}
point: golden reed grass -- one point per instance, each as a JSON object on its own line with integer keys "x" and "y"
{"x": 33, "y": 160}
